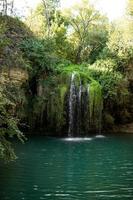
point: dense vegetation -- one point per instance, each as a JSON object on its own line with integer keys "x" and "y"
{"x": 38, "y": 59}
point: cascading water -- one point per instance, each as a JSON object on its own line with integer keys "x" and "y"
{"x": 85, "y": 107}
{"x": 72, "y": 101}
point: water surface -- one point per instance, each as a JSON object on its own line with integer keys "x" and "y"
{"x": 61, "y": 169}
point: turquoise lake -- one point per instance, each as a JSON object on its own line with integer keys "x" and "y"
{"x": 64, "y": 169}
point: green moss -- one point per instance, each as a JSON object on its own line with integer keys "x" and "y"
{"x": 63, "y": 90}
{"x": 51, "y": 105}
{"x": 95, "y": 102}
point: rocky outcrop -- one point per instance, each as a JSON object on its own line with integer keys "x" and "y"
{"x": 13, "y": 66}
{"x": 16, "y": 76}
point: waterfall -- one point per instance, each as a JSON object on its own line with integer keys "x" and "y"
{"x": 84, "y": 107}
{"x": 72, "y": 101}
{"x": 75, "y": 97}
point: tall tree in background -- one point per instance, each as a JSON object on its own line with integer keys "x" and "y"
{"x": 85, "y": 22}
{"x": 79, "y": 34}
{"x": 41, "y": 19}
{"x": 50, "y": 7}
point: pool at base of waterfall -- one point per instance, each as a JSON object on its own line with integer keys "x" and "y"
{"x": 95, "y": 168}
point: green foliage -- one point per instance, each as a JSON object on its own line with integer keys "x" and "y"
{"x": 81, "y": 71}
{"x": 12, "y": 32}
{"x": 8, "y": 128}
{"x": 114, "y": 89}
{"x": 79, "y": 34}
{"x": 41, "y": 54}
{"x": 42, "y": 19}
{"x": 104, "y": 65}
{"x": 120, "y": 46}
{"x": 51, "y": 27}
{"x": 97, "y": 39}
{"x": 105, "y": 72}
{"x": 89, "y": 32}
{"x": 12, "y": 96}
{"x": 4, "y": 41}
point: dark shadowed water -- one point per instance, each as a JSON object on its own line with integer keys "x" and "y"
{"x": 57, "y": 169}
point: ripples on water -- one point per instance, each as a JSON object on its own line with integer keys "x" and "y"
{"x": 98, "y": 168}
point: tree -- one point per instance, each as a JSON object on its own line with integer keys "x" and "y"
{"x": 8, "y": 127}
{"x": 80, "y": 34}
{"x": 49, "y": 9}
{"x": 84, "y": 20}
{"x": 57, "y": 34}
{"x": 41, "y": 19}
{"x": 120, "y": 44}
